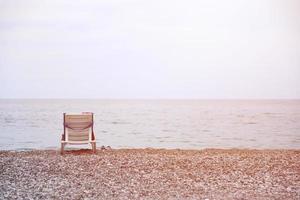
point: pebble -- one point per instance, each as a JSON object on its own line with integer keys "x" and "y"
{"x": 150, "y": 174}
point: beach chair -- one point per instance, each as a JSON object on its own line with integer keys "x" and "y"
{"x": 78, "y": 129}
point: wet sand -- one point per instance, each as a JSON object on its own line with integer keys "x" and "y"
{"x": 150, "y": 174}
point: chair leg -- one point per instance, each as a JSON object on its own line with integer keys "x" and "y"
{"x": 94, "y": 147}
{"x": 62, "y": 148}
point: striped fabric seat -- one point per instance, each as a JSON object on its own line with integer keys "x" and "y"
{"x": 74, "y": 135}
{"x": 78, "y": 129}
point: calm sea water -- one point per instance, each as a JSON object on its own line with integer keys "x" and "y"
{"x": 187, "y": 124}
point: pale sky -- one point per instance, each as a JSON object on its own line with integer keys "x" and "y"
{"x": 150, "y": 49}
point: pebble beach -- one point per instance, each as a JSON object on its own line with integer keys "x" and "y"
{"x": 150, "y": 174}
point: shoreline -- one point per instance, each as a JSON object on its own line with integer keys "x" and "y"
{"x": 151, "y": 173}
{"x": 74, "y": 149}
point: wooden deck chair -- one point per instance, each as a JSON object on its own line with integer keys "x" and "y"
{"x": 78, "y": 129}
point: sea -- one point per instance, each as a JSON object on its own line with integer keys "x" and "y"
{"x": 27, "y": 124}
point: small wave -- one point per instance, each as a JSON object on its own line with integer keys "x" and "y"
{"x": 25, "y": 149}
{"x": 8, "y": 121}
{"x": 185, "y": 141}
{"x": 118, "y": 122}
{"x": 34, "y": 126}
{"x": 250, "y": 122}
{"x": 270, "y": 113}
{"x": 167, "y": 130}
{"x": 135, "y": 133}
{"x": 162, "y": 137}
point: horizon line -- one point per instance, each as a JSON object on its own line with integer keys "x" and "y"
{"x": 51, "y": 98}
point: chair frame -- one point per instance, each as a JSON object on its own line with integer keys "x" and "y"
{"x": 65, "y": 137}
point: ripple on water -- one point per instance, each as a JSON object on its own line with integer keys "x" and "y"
{"x": 135, "y": 133}
{"x": 119, "y": 122}
{"x": 250, "y": 123}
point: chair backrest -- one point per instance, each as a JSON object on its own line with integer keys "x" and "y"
{"x": 78, "y": 127}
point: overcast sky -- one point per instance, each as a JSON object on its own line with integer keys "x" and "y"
{"x": 150, "y": 49}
